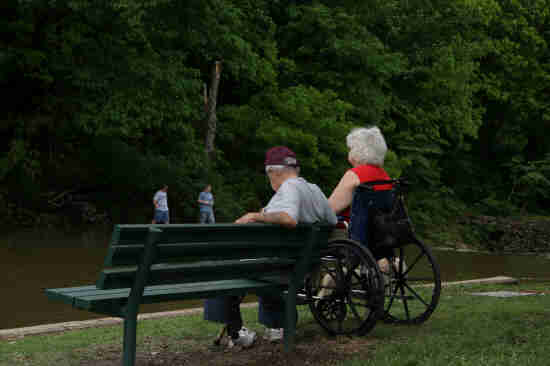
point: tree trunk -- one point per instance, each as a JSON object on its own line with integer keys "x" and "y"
{"x": 211, "y": 118}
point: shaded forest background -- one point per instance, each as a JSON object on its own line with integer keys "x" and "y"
{"x": 106, "y": 100}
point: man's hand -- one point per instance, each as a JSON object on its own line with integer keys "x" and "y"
{"x": 280, "y": 218}
{"x": 249, "y": 217}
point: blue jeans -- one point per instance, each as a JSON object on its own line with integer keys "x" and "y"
{"x": 226, "y": 309}
{"x": 161, "y": 217}
{"x": 207, "y": 217}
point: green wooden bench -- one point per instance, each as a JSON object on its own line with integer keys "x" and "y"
{"x": 158, "y": 263}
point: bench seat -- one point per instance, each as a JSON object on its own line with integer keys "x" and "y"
{"x": 96, "y": 300}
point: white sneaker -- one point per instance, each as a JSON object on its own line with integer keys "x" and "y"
{"x": 274, "y": 334}
{"x": 246, "y": 339}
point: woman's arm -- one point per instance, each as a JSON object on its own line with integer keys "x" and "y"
{"x": 340, "y": 199}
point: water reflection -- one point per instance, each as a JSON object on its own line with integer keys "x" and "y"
{"x": 468, "y": 265}
{"x": 34, "y": 260}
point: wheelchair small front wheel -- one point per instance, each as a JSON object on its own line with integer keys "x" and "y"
{"x": 346, "y": 289}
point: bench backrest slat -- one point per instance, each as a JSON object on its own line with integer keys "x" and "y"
{"x": 166, "y": 253}
{"x": 194, "y": 253}
{"x": 186, "y": 240}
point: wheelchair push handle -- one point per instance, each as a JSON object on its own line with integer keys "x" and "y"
{"x": 398, "y": 184}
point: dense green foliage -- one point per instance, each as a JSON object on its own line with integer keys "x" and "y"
{"x": 105, "y": 98}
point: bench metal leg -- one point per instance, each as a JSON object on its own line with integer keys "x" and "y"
{"x": 129, "y": 344}
{"x": 132, "y": 308}
{"x": 290, "y": 314}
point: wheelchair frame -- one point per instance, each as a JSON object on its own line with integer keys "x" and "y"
{"x": 348, "y": 291}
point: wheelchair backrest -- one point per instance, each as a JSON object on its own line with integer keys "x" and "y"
{"x": 365, "y": 202}
{"x": 379, "y": 219}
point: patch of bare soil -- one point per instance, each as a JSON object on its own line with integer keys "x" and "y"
{"x": 311, "y": 349}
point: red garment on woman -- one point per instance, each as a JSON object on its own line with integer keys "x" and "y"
{"x": 368, "y": 173}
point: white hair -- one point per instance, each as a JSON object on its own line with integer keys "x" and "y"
{"x": 367, "y": 146}
{"x": 281, "y": 168}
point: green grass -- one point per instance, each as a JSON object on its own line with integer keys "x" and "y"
{"x": 471, "y": 330}
{"x": 464, "y": 330}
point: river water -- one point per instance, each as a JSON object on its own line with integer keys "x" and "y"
{"x": 37, "y": 259}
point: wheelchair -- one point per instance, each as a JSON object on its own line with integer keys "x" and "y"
{"x": 381, "y": 271}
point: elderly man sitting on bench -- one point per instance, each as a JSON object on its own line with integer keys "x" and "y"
{"x": 295, "y": 201}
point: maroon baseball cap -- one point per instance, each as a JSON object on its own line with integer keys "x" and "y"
{"x": 280, "y": 155}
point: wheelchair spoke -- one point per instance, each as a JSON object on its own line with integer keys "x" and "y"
{"x": 416, "y": 295}
{"x": 405, "y": 302}
{"x": 354, "y": 310}
{"x": 412, "y": 265}
{"x": 414, "y": 285}
{"x": 392, "y": 297}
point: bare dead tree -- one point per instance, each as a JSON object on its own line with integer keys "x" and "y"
{"x": 211, "y": 102}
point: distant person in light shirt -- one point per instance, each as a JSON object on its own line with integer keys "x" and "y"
{"x": 160, "y": 201}
{"x": 206, "y": 206}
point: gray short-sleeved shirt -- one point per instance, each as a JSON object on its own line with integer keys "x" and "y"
{"x": 303, "y": 201}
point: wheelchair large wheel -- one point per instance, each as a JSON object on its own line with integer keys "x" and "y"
{"x": 412, "y": 284}
{"x": 345, "y": 290}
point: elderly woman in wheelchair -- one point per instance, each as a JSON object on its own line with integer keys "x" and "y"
{"x": 367, "y": 151}
{"x": 363, "y": 276}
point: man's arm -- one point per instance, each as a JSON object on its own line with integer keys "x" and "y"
{"x": 280, "y": 218}
{"x": 281, "y": 209}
